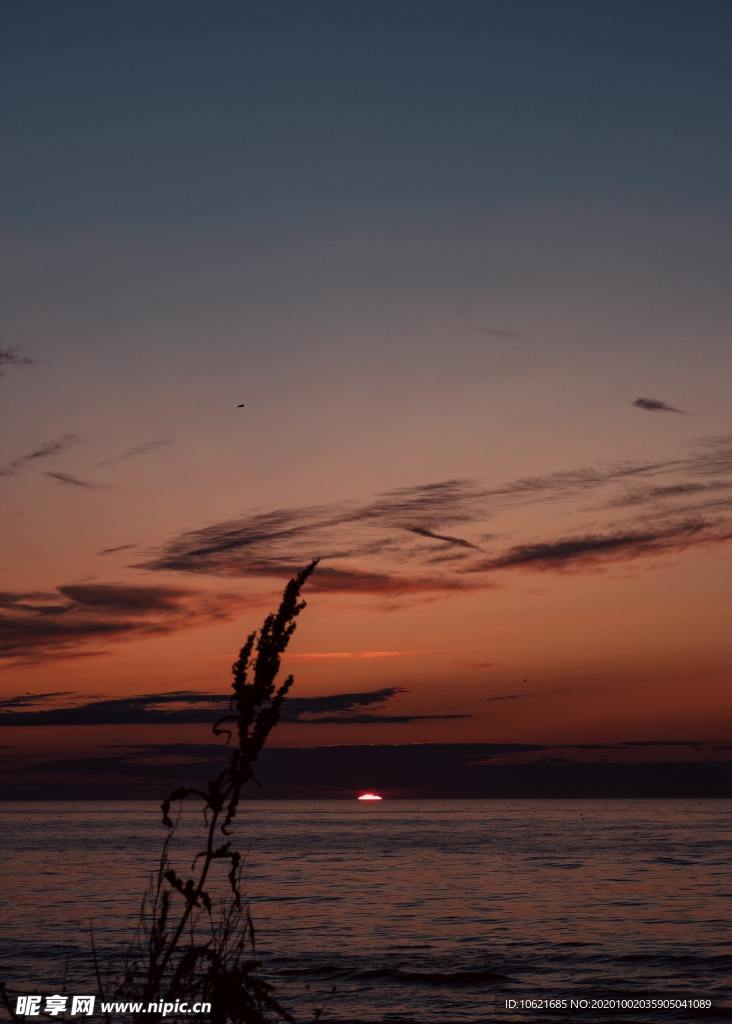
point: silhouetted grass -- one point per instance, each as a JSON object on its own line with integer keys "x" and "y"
{"x": 194, "y": 944}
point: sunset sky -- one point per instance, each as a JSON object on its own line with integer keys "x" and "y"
{"x": 441, "y": 251}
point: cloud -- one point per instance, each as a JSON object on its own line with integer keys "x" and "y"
{"x": 13, "y": 356}
{"x": 79, "y": 618}
{"x": 273, "y": 544}
{"x": 358, "y": 655}
{"x": 25, "y": 700}
{"x": 381, "y": 584}
{"x": 526, "y": 694}
{"x": 712, "y": 456}
{"x": 126, "y": 598}
{"x": 278, "y": 543}
{"x": 135, "y": 451}
{"x": 444, "y": 770}
{"x": 224, "y": 547}
{"x": 114, "y": 550}
{"x": 377, "y": 547}
{"x": 422, "y": 531}
{"x": 655, "y": 405}
{"x": 591, "y": 549}
{"x": 347, "y": 709}
{"x": 424, "y": 505}
{"x": 197, "y": 707}
{"x": 67, "y": 480}
{"x": 44, "y": 451}
{"x": 648, "y": 495}
{"x": 158, "y": 708}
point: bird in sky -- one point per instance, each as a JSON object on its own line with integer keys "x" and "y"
{"x": 241, "y": 405}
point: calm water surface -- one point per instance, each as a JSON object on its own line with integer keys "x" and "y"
{"x": 419, "y": 911}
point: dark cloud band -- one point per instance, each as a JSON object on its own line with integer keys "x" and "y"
{"x": 71, "y": 619}
{"x": 197, "y": 707}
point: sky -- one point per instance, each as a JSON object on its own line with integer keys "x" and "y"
{"x": 466, "y": 264}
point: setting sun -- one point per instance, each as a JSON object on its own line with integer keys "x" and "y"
{"x": 369, "y": 796}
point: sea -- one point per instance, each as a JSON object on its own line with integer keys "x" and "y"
{"x": 419, "y": 911}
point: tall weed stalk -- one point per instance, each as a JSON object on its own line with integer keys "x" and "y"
{"x": 193, "y": 943}
{"x": 194, "y": 946}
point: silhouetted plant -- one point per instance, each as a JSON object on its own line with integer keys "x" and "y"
{"x": 192, "y": 945}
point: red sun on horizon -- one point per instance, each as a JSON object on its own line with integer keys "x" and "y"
{"x": 369, "y": 796}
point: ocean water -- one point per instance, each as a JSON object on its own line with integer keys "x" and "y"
{"x": 415, "y": 910}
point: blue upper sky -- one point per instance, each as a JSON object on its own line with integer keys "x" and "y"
{"x": 158, "y": 116}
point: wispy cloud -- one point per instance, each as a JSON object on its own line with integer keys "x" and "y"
{"x": 591, "y": 549}
{"x": 24, "y": 701}
{"x": 422, "y": 531}
{"x": 649, "y": 495}
{"x": 655, "y": 405}
{"x": 82, "y": 618}
{"x": 528, "y": 694}
{"x": 353, "y": 709}
{"x": 427, "y": 540}
{"x": 273, "y": 543}
{"x": 358, "y": 655}
{"x": 197, "y": 707}
{"x": 116, "y": 549}
{"x": 43, "y": 451}
{"x": 13, "y": 356}
{"x": 137, "y": 450}
{"x": 68, "y": 480}
{"x": 380, "y": 584}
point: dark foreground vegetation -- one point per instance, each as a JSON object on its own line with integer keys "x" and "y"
{"x": 195, "y": 941}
